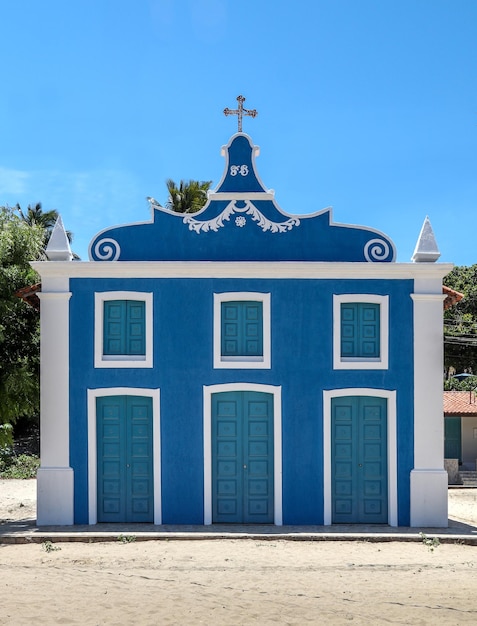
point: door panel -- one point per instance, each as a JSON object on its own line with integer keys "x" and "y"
{"x": 125, "y": 459}
{"x": 227, "y": 453}
{"x": 359, "y": 460}
{"x": 110, "y": 419}
{"x": 242, "y": 457}
{"x": 258, "y": 457}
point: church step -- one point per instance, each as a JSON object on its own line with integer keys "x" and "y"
{"x": 468, "y": 478}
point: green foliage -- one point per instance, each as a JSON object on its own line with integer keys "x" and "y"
{"x": 19, "y": 241}
{"x": 22, "y": 466}
{"x": 6, "y": 437}
{"x": 460, "y": 324}
{"x": 464, "y": 279}
{"x": 19, "y": 323}
{"x": 467, "y": 384}
{"x": 126, "y": 538}
{"x": 189, "y": 197}
{"x": 430, "y": 542}
{"x": 47, "y": 546}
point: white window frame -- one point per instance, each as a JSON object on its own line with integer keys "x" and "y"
{"x": 118, "y": 360}
{"x": 242, "y": 362}
{"x": 361, "y": 363}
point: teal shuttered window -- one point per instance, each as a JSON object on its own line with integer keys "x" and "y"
{"x": 241, "y": 329}
{"x": 360, "y": 330}
{"x": 124, "y": 330}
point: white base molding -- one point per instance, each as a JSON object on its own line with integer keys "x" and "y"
{"x": 55, "y": 496}
{"x": 429, "y": 498}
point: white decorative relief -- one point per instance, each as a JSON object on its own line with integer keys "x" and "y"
{"x": 107, "y": 250}
{"x": 239, "y": 169}
{"x": 376, "y": 250}
{"x": 249, "y": 209}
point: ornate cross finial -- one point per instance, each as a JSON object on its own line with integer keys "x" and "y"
{"x": 240, "y": 112}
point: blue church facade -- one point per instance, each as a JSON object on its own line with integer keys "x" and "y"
{"x": 242, "y": 365}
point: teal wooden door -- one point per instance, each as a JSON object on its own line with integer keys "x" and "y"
{"x": 125, "y": 484}
{"x": 359, "y": 467}
{"x": 453, "y": 438}
{"x": 242, "y": 457}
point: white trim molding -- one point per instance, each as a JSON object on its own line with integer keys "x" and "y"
{"x": 390, "y": 396}
{"x": 55, "y": 477}
{"x": 100, "y": 359}
{"x": 241, "y": 269}
{"x": 242, "y": 362}
{"x": 93, "y": 394}
{"x": 361, "y": 363}
{"x": 277, "y": 443}
{"x": 429, "y": 480}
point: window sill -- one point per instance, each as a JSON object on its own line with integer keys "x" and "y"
{"x": 123, "y": 361}
{"x": 123, "y": 357}
{"x": 241, "y": 359}
{"x": 238, "y": 362}
{"x": 352, "y": 363}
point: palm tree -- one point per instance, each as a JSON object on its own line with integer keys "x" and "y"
{"x": 35, "y": 216}
{"x": 189, "y": 197}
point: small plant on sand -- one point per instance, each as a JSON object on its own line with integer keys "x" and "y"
{"x": 47, "y": 546}
{"x": 430, "y": 542}
{"x": 126, "y": 538}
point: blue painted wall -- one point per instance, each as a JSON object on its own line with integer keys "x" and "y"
{"x": 301, "y": 322}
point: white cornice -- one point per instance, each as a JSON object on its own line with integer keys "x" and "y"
{"x": 240, "y": 269}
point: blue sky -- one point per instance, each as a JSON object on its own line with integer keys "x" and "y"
{"x": 369, "y": 106}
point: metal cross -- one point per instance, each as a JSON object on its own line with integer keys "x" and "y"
{"x": 240, "y": 112}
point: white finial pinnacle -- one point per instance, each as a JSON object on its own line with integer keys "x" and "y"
{"x": 426, "y": 250}
{"x": 58, "y": 248}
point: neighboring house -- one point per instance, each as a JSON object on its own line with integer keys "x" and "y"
{"x": 460, "y": 427}
{"x": 242, "y": 365}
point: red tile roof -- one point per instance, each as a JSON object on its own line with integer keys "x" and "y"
{"x": 457, "y": 403}
{"x": 30, "y": 295}
{"x": 452, "y": 297}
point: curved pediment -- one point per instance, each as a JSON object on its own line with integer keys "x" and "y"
{"x": 241, "y": 221}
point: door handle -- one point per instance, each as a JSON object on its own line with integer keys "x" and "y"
{"x": 360, "y": 465}
{"x": 245, "y": 467}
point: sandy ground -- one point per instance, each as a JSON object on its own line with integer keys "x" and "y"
{"x": 235, "y": 582}
{"x": 17, "y": 499}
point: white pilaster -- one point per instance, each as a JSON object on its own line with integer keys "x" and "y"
{"x": 55, "y": 476}
{"x": 428, "y": 478}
